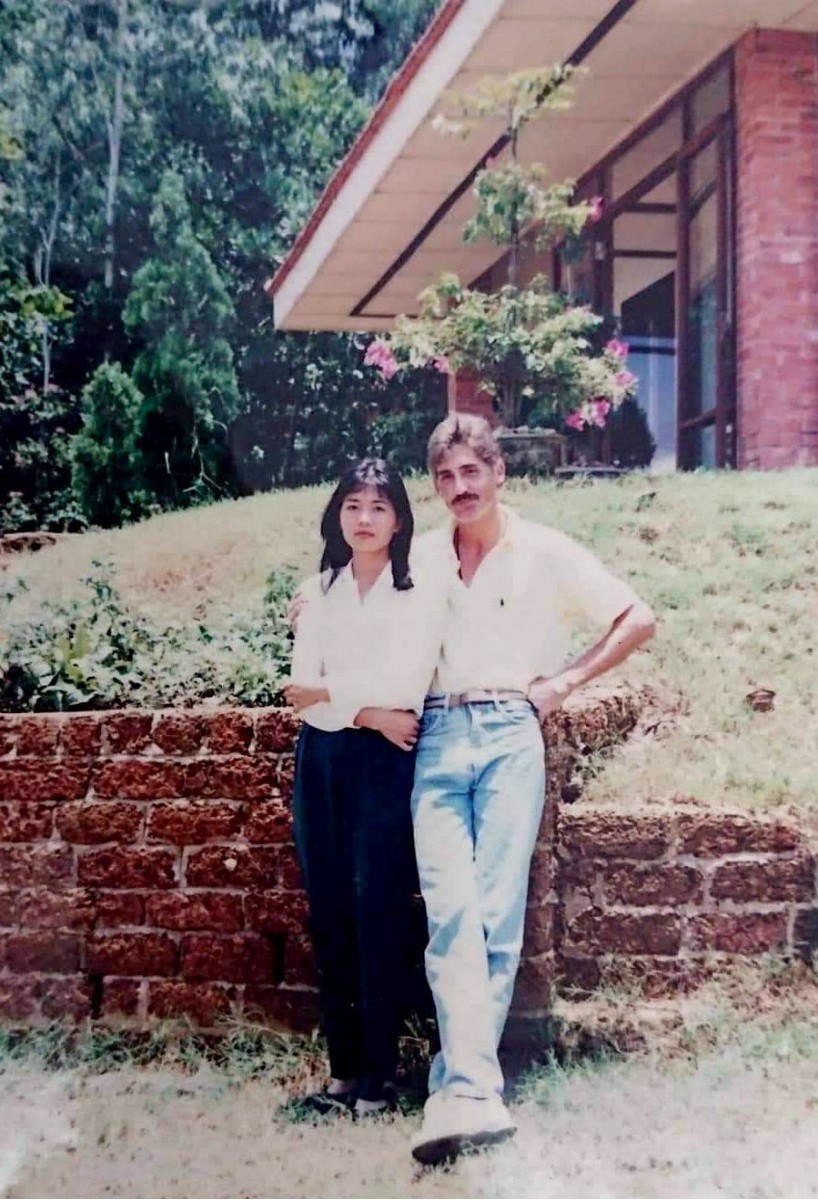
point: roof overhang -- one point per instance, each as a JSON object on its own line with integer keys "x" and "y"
{"x": 391, "y": 218}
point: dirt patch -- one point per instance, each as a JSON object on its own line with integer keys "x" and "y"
{"x": 739, "y": 1117}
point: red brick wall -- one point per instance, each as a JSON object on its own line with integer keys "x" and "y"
{"x": 777, "y": 248}
{"x": 147, "y": 870}
{"x": 664, "y": 895}
{"x": 464, "y": 395}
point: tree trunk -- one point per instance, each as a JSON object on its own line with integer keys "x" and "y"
{"x": 42, "y": 264}
{"x": 115, "y": 124}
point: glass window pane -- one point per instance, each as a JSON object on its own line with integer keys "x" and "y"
{"x": 702, "y": 356}
{"x": 710, "y": 99}
{"x": 644, "y": 302}
{"x": 703, "y": 446}
{"x": 703, "y": 170}
{"x": 577, "y": 272}
{"x": 648, "y": 153}
{"x": 645, "y": 231}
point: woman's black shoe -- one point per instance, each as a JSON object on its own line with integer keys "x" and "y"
{"x": 321, "y": 1104}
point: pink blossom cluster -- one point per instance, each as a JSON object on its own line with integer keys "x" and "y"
{"x": 617, "y": 348}
{"x": 625, "y": 379}
{"x": 593, "y": 412}
{"x": 597, "y": 204}
{"x": 379, "y": 354}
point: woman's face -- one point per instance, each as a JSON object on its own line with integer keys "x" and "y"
{"x": 368, "y": 521}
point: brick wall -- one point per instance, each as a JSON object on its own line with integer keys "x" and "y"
{"x": 147, "y": 868}
{"x": 663, "y": 896}
{"x": 777, "y": 248}
{"x": 465, "y": 396}
{"x": 147, "y": 871}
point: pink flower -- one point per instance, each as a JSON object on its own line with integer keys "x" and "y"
{"x": 625, "y": 379}
{"x": 618, "y": 348}
{"x": 379, "y": 354}
{"x": 599, "y": 412}
{"x": 597, "y": 204}
{"x": 441, "y": 363}
{"x": 575, "y": 421}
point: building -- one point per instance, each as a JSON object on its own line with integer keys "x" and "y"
{"x": 697, "y": 122}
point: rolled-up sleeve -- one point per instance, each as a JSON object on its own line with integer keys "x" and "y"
{"x": 588, "y": 587}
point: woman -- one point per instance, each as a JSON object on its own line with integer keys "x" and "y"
{"x": 365, "y": 649}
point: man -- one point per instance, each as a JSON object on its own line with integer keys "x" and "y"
{"x": 513, "y": 589}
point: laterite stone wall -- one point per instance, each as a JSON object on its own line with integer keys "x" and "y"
{"x": 147, "y": 871}
{"x": 665, "y": 895}
{"x": 147, "y": 868}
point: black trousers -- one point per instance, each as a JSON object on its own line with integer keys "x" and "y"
{"x": 353, "y": 834}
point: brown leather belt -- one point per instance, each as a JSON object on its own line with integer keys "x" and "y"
{"x": 458, "y": 699}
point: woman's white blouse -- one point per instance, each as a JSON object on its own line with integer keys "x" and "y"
{"x": 379, "y": 652}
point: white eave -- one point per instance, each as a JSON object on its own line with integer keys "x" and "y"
{"x": 401, "y": 171}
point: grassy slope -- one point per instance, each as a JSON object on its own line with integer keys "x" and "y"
{"x": 727, "y": 560}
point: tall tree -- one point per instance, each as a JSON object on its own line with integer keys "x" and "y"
{"x": 180, "y": 311}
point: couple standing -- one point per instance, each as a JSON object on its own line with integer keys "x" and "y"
{"x": 423, "y": 679}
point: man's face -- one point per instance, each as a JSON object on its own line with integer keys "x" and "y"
{"x": 467, "y": 485}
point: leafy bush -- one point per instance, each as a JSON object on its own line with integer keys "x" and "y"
{"x": 179, "y": 308}
{"x": 105, "y": 474}
{"x": 632, "y": 443}
{"x": 94, "y": 652}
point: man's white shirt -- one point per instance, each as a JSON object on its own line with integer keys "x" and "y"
{"x": 511, "y": 624}
{"x": 515, "y": 619}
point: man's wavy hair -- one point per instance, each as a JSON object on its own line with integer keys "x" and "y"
{"x": 374, "y": 473}
{"x": 462, "y": 429}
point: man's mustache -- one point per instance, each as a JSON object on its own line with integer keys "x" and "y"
{"x": 465, "y": 496}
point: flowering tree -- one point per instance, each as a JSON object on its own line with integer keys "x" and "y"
{"x": 533, "y": 350}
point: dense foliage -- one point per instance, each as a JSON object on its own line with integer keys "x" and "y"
{"x": 156, "y": 161}
{"x": 93, "y": 651}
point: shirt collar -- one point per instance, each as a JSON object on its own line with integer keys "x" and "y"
{"x": 347, "y": 580}
{"x": 511, "y": 524}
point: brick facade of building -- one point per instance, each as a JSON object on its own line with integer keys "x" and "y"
{"x": 776, "y": 136}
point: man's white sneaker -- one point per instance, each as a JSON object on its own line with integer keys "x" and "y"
{"x": 452, "y": 1124}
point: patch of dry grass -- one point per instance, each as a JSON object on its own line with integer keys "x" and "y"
{"x": 734, "y": 1114}
{"x": 728, "y": 561}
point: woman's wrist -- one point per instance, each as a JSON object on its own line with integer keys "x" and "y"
{"x": 366, "y": 718}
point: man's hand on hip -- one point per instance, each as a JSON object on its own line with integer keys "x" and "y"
{"x": 547, "y": 695}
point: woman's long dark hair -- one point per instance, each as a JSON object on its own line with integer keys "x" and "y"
{"x": 374, "y": 473}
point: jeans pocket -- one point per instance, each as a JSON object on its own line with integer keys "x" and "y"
{"x": 518, "y": 712}
{"x": 432, "y": 721}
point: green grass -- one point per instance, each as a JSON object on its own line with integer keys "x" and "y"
{"x": 727, "y": 559}
{"x": 241, "y": 1051}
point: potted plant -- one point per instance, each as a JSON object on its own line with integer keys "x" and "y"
{"x": 533, "y": 349}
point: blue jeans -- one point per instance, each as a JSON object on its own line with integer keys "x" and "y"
{"x": 476, "y": 807}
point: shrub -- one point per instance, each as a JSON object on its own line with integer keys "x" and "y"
{"x": 632, "y": 443}
{"x": 105, "y": 475}
{"x": 94, "y": 652}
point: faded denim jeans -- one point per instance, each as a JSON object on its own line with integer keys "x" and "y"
{"x": 476, "y": 807}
